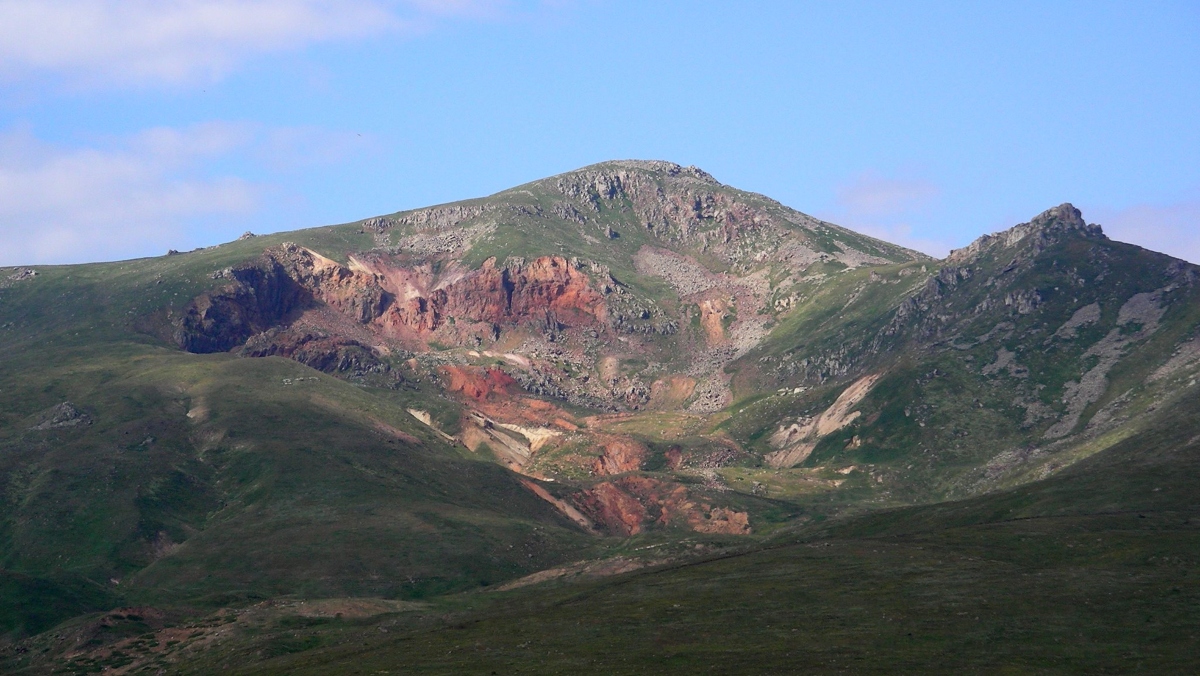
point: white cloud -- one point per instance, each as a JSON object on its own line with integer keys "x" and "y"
{"x": 141, "y": 194}
{"x": 475, "y": 9}
{"x": 68, "y": 205}
{"x": 123, "y": 42}
{"x": 1173, "y": 229}
{"x": 885, "y": 207}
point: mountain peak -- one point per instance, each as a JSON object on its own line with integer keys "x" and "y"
{"x": 1065, "y": 215}
{"x": 1058, "y": 220}
{"x": 660, "y": 167}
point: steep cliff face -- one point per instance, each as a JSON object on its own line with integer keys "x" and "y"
{"x": 412, "y": 305}
{"x": 259, "y": 296}
{"x": 547, "y": 293}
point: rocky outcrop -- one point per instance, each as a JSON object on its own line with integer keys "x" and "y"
{"x": 797, "y": 441}
{"x": 687, "y": 205}
{"x": 630, "y": 504}
{"x": 612, "y": 509}
{"x": 62, "y": 416}
{"x": 476, "y": 383}
{"x": 259, "y": 296}
{"x": 547, "y": 294}
{"x": 1137, "y": 320}
{"x": 1045, "y": 228}
{"x": 323, "y": 352}
{"x": 619, "y": 455}
{"x": 16, "y": 275}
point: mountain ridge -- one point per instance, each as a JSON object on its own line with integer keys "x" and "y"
{"x": 607, "y": 369}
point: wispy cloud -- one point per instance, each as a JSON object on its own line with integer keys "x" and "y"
{"x": 133, "y": 42}
{"x": 886, "y": 207}
{"x": 1173, "y": 229}
{"x": 474, "y": 9}
{"x": 873, "y": 195}
{"x": 136, "y": 195}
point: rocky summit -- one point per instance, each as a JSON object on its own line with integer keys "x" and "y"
{"x": 335, "y": 448}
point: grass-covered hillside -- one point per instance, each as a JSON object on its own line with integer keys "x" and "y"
{"x": 1090, "y": 571}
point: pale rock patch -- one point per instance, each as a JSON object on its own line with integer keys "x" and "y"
{"x": 1088, "y": 314}
{"x": 796, "y": 442}
{"x": 1144, "y": 310}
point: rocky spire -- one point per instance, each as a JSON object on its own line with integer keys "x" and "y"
{"x": 1047, "y": 225}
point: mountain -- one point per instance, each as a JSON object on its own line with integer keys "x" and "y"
{"x": 1011, "y": 359}
{"x": 629, "y": 366}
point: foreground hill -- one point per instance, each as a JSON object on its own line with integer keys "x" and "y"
{"x": 626, "y": 366}
{"x": 1090, "y": 571}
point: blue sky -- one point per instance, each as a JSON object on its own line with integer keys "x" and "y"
{"x": 127, "y": 128}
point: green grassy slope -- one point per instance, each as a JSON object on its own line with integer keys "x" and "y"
{"x": 1090, "y": 571}
{"x": 978, "y": 372}
{"x": 281, "y": 481}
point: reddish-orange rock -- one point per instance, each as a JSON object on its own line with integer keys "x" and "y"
{"x": 613, "y": 509}
{"x": 624, "y": 506}
{"x": 547, "y": 292}
{"x": 674, "y": 457}
{"x": 620, "y": 455}
{"x": 410, "y": 303}
{"x": 476, "y": 383}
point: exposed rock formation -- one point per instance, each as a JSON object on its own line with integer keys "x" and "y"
{"x": 17, "y": 275}
{"x": 476, "y": 383}
{"x": 1138, "y": 319}
{"x": 413, "y": 304}
{"x": 1043, "y": 228}
{"x": 620, "y": 455}
{"x": 330, "y": 354}
{"x": 62, "y": 416}
{"x": 798, "y": 440}
{"x": 627, "y": 505}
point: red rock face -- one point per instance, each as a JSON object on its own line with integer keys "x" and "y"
{"x": 411, "y": 304}
{"x": 625, "y": 506}
{"x": 476, "y": 383}
{"x": 354, "y": 293}
{"x": 674, "y": 457}
{"x": 620, "y": 455}
{"x": 546, "y": 292}
{"x": 613, "y": 509}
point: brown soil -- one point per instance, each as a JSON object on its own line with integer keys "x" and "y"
{"x": 619, "y": 455}
{"x": 476, "y": 383}
{"x": 625, "y": 506}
